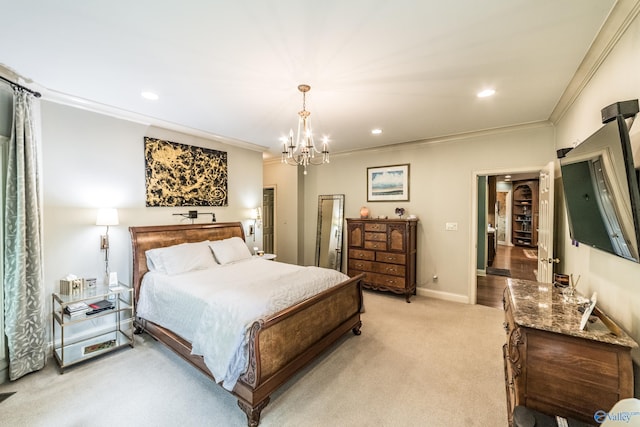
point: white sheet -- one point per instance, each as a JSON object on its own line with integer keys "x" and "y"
{"x": 214, "y": 309}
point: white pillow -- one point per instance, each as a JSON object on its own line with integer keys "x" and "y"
{"x": 181, "y": 258}
{"x": 230, "y": 250}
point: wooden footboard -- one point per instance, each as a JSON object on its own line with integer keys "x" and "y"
{"x": 280, "y": 345}
{"x": 286, "y": 342}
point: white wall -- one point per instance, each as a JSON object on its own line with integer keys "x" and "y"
{"x": 616, "y": 280}
{"x": 288, "y": 216}
{"x": 91, "y": 161}
{"x": 442, "y": 190}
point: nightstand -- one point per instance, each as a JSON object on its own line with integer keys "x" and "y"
{"x": 114, "y": 329}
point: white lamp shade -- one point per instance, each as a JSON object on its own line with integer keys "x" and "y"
{"x": 107, "y": 216}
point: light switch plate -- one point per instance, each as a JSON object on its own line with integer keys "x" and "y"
{"x": 451, "y": 226}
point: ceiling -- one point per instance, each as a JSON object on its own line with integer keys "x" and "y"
{"x": 230, "y": 69}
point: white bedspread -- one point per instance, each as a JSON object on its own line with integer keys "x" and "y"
{"x": 215, "y": 308}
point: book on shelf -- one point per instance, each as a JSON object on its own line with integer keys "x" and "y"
{"x": 76, "y": 307}
{"x": 100, "y": 306}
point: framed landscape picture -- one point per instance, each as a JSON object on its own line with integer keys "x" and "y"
{"x": 388, "y": 183}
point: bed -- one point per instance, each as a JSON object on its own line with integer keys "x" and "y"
{"x": 279, "y": 344}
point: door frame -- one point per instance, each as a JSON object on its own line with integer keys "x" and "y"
{"x": 473, "y": 235}
{"x": 274, "y": 214}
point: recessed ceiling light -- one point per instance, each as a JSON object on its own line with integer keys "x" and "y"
{"x": 376, "y": 131}
{"x": 149, "y": 95}
{"x": 485, "y": 93}
{"x": 507, "y": 176}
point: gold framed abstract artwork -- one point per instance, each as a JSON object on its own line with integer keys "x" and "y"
{"x": 184, "y": 175}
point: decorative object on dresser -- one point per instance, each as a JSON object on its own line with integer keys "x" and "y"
{"x": 385, "y": 251}
{"x": 525, "y": 213}
{"x": 553, "y": 366}
{"x": 364, "y": 212}
{"x": 388, "y": 183}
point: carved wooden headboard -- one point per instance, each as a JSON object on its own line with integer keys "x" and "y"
{"x": 159, "y": 236}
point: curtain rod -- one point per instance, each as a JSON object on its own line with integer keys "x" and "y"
{"x": 32, "y": 92}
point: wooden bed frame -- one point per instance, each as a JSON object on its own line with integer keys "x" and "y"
{"x": 280, "y": 345}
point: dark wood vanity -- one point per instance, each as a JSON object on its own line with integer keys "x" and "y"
{"x": 554, "y": 367}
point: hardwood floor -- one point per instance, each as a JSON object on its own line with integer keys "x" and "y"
{"x": 512, "y": 258}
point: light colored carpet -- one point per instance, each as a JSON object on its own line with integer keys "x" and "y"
{"x": 428, "y": 363}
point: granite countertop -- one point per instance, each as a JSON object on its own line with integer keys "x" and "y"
{"x": 543, "y": 306}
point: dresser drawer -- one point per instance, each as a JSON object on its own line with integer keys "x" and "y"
{"x": 378, "y": 237}
{"x": 375, "y": 227}
{"x": 360, "y": 265}
{"x": 391, "y": 258}
{"x": 361, "y": 254}
{"x": 387, "y": 281}
{"x": 393, "y": 269}
{"x": 378, "y": 246}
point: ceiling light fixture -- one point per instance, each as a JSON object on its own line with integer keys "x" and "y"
{"x": 487, "y": 92}
{"x": 303, "y": 151}
{"x": 376, "y": 131}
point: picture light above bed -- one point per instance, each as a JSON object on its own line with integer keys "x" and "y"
{"x": 192, "y": 215}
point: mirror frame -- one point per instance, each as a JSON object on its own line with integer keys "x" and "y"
{"x": 321, "y": 199}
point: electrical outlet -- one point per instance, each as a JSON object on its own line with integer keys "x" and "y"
{"x": 451, "y": 226}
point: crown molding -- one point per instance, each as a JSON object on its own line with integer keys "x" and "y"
{"x": 430, "y": 141}
{"x": 621, "y": 16}
{"x": 118, "y": 113}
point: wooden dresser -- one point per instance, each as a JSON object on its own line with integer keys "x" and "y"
{"x": 385, "y": 250}
{"x": 554, "y": 367}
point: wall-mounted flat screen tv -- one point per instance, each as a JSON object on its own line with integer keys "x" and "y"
{"x": 601, "y": 191}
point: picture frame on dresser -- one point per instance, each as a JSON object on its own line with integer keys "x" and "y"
{"x": 388, "y": 183}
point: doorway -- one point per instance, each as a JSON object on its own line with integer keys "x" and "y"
{"x": 268, "y": 220}
{"x": 507, "y": 257}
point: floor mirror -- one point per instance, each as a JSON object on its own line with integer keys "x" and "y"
{"x": 329, "y": 235}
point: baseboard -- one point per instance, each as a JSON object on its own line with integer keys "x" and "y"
{"x": 445, "y": 296}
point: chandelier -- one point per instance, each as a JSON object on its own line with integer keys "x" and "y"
{"x": 303, "y": 151}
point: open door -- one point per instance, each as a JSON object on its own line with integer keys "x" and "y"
{"x": 546, "y": 259}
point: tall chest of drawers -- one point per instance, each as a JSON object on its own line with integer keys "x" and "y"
{"x": 385, "y": 251}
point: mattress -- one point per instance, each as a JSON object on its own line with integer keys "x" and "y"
{"x": 214, "y": 308}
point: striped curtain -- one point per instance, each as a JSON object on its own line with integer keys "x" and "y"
{"x": 23, "y": 274}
